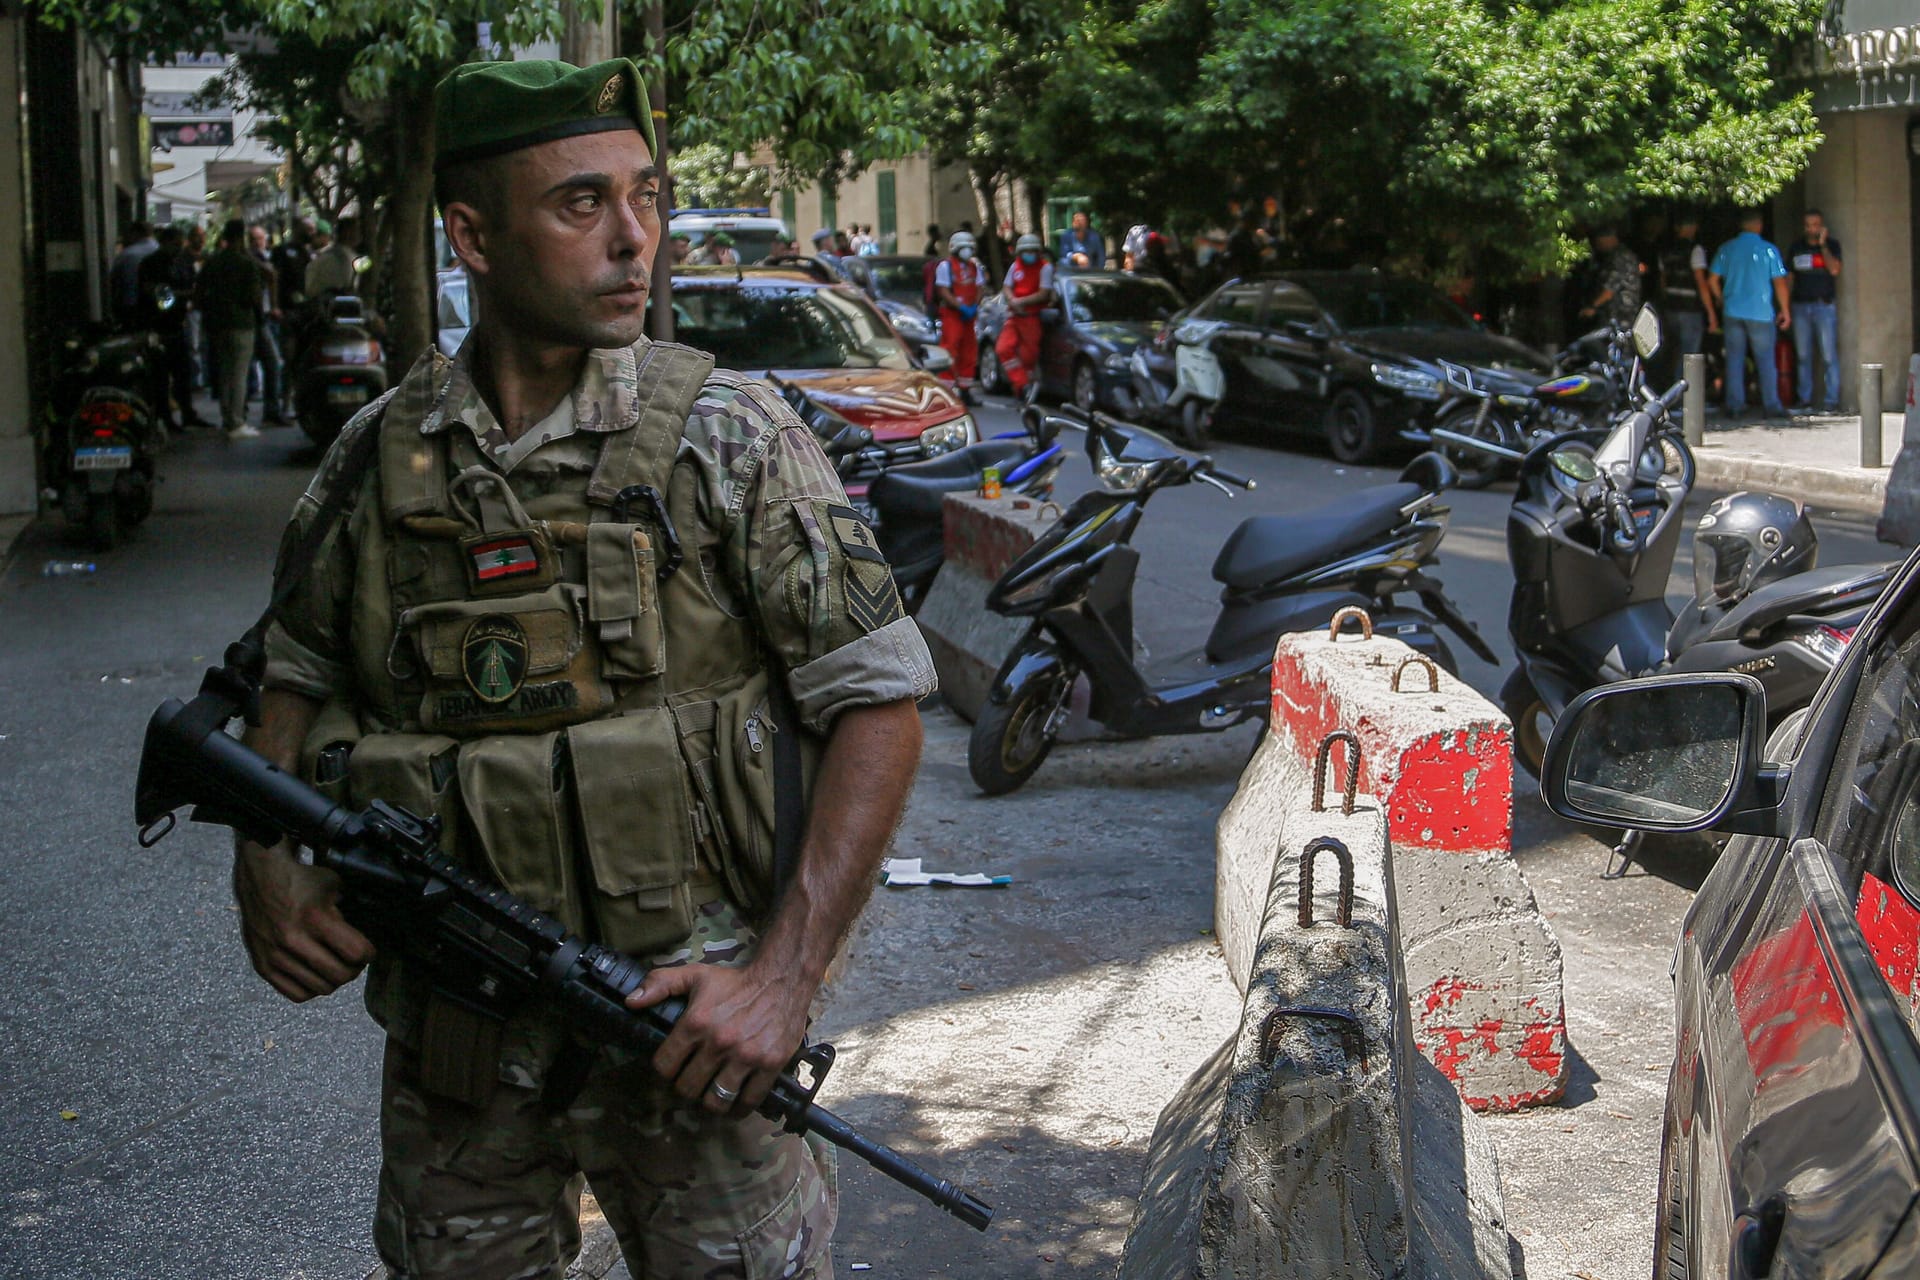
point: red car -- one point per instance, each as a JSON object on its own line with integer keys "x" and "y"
{"x": 827, "y": 340}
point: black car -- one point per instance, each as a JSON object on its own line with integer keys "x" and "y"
{"x": 1090, "y": 335}
{"x": 1351, "y": 354}
{"x": 1792, "y": 1136}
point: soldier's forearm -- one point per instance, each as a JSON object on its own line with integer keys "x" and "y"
{"x": 286, "y": 718}
{"x": 865, "y": 777}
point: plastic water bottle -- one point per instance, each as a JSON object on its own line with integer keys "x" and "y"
{"x": 67, "y": 568}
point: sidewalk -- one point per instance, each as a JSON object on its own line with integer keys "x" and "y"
{"x": 1815, "y": 459}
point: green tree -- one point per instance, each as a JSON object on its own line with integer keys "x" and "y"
{"x": 705, "y": 176}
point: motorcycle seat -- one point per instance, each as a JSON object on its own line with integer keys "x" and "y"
{"x": 1267, "y": 549}
{"x": 916, "y": 490}
{"x": 1817, "y": 591}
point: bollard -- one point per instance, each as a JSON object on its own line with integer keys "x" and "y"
{"x": 1693, "y": 412}
{"x": 1870, "y": 415}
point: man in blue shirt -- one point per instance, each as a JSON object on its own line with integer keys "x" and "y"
{"x": 1080, "y": 248}
{"x": 1749, "y": 282}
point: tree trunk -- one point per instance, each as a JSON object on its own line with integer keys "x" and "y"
{"x": 410, "y": 216}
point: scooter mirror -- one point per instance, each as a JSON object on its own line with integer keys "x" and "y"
{"x": 1646, "y": 332}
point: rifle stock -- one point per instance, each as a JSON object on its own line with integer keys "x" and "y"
{"x": 486, "y": 945}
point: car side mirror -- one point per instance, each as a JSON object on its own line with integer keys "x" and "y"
{"x": 1666, "y": 753}
{"x": 936, "y": 359}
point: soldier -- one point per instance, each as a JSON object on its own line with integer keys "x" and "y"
{"x": 606, "y": 610}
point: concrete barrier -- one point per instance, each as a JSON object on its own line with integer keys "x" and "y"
{"x": 1483, "y": 968}
{"x": 1308, "y": 1146}
{"x": 983, "y": 537}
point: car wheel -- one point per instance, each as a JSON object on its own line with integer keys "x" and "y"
{"x": 1532, "y": 722}
{"x": 991, "y": 378}
{"x": 1086, "y": 386}
{"x": 1352, "y": 431}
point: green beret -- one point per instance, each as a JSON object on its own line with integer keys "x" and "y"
{"x": 485, "y": 109}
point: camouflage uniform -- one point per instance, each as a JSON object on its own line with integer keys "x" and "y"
{"x": 492, "y": 1192}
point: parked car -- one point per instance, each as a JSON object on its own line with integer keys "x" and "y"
{"x": 752, "y": 230}
{"x": 1089, "y": 336}
{"x": 1792, "y": 1136}
{"x": 827, "y": 340}
{"x": 1349, "y": 355}
{"x": 896, "y": 283}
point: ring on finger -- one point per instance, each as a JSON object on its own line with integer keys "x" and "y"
{"x": 723, "y": 1093}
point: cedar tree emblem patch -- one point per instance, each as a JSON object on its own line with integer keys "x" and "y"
{"x": 854, "y": 536}
{"x": 494, "y": 657}
{"x": 609, "y": 94}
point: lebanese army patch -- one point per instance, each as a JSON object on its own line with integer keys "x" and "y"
{"x": 872, "y": 600}
{"x": 853, "y": 534}
{"x": 494, "y": 657}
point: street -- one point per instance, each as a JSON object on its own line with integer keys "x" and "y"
{"x": 170, "y": 1115}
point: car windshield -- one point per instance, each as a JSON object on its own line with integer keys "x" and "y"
{"x": 785, "y": 328}
{"x": 1371, "y": 302}
{"x": 1122, "y": 298}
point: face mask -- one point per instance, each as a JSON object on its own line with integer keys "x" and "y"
{"x": 1204, "y": 255}
{"x": 965, "y": 255}
{"x": 1029, "y": 258}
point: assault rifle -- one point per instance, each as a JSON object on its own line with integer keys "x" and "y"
{"x": 483, "y": 945}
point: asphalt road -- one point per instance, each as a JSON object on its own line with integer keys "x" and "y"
{"x": 169, "y": 1115}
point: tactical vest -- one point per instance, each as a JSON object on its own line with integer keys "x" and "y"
{"x": 556, "y": 677}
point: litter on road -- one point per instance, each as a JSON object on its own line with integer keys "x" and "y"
{"x": 905, "y": 873}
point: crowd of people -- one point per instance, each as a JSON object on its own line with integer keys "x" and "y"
{"x": 230, "y": 318}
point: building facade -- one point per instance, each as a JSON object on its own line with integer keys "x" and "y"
{"x": 1865, "y": 178}
{"x": 899, "y": 199}
{"x": 199, "y": 150}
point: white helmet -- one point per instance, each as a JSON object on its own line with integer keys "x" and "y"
{"x": 959, "y": 240}
{"x": 1028, "y": 241}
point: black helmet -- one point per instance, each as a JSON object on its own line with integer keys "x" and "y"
{"x": 1747, "y": 540}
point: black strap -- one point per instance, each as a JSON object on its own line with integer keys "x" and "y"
{"x": 789, "y": 782}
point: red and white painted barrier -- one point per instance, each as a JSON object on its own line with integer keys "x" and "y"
{"x": 1483, "y": 969}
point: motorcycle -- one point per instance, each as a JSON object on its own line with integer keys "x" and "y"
{"x": 106, "y": 439}
{"x": 338, "y": 369}
{"x": 1592, "y": 534}
{"x": 1180, "y": 391}
{"x": 906, "y": 502}
{"x": 1280, "y": 573}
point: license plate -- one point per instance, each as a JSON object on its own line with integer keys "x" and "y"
{"x": 115, "y": 457}
{"x": 346, "y": 395}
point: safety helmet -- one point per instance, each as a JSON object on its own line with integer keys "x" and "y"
{"x": 959, "y": 240}
{"x": 1026, "y": 242}
{"x": 1746, "y": 540}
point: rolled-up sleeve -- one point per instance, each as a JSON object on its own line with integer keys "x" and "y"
{"x": 824, "y": 595}
{"x": 307, "y": 641}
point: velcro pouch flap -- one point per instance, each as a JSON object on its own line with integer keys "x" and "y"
{"x": 623, "y": 601}
{"x": 636, "y": 817}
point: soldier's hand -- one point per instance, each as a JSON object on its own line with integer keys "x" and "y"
{"x": 741, "y": 1028}
{"x": 291, "y": 923}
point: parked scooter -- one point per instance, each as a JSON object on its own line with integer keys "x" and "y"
{"x": 338, "y": 370}
{"x": 907, "y": 502}
{"x": 1178, "y": 381}
{"x": 1592, "y": 536}
{"x": 106, "y": 439}
{"x": 1280, "y": 573}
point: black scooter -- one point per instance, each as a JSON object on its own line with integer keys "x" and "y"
{"x": 1280, "y": 573}
{"x": 105, "y": 439}
{"x": 338, "y": 370}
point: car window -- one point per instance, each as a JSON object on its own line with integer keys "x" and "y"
{"x": 1289, "y": 303}
{"x": 1121, "y": 298}
{"x": 1237, "y": 304}
{"x": 1365, "y": 301}
{"x": 786, "y": 328}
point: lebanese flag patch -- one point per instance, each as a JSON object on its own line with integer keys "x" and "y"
{"x": 504, "y": 558}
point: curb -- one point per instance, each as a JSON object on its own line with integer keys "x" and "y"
{"x": 1849, "y": 488}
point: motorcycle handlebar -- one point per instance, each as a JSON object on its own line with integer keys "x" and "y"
{"x": 1231, "y": 478}
{"x": 1673, "y": 393}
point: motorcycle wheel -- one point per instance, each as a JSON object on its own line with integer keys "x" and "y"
{"x": 1532, "y": 722}
{"x": 1352, "y": 432}
{"x": 991, "y": 378}
{"x": 1010, "y": 739}
{"x": 103, "y": 523}
{"x": 1193, "y": 425}
{"x": 1477, "y": 470}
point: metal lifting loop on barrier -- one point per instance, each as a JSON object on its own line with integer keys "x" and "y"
{"x": 1433, "y": 672}
{"x": 1324, "y": 760}
{"x": 1344, "y": 917}
{"x": 1352, "y": 613}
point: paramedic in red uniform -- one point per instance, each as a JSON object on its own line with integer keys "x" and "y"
{"x": 956, "y": 282}
{"x": 1029, "y": 288}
